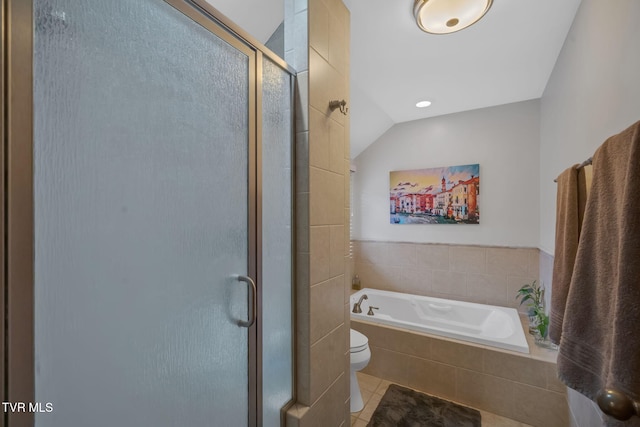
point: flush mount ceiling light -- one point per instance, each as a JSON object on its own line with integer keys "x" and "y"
{"x": 448, "y": 16}
{"x": 423, "y": 104}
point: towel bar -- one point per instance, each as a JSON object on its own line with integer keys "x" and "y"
{"x": 617, "y": 404}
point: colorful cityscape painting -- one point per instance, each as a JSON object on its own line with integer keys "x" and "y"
{"x": 447, "y": 195}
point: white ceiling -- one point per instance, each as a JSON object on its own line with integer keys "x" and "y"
{"x": 260, "y": 18}
{"x": 505, "y": 57}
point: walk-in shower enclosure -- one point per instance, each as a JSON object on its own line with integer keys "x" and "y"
{"x": 162, "y": 229}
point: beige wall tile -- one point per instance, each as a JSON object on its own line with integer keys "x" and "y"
{"x": 401, "y": 255}
{"x": 327, "y": 361}
{"x": 460, "y": 355}
{"x": 489, "y": 289}
{"x": 337, "y": 90}
{"x": 327, "y": 308}
{"x": 295, "y": 414}
{"x": 325, "y": 84}
{"x": 303, "y": 359}
{"x": 302, "y": 222}
{"x": 371, "y": 252}
{"x": 318, "y": 139}
{"x": 414, "y": 281}
{"x": 347, "y": 413}
{"x": 347, "y": 231}
{"x": 467, "y": 259}
{"x": 328, "y": 410}
{"x": 433, "y": 378}
{"x": 347, "y": 189}
{"x": 508, "y": 261}
{"x": 389, "y": 278}
{"x": 371, "y": 275}
{"x": 404, "y": 342}
{"x": 320, "y": 244}
{"x": 346, "y": 318}
{"x": 516, "y": 368}
{"x": 319, "y": 27}
{"x": 336, "y": 147}
{"x": 337, "y": 250}
{"x": 534, "y": 262}
{"x": 538, "y": 407}
{"x": 338, "y": 40}
{"x": 553, "y": 383}
{"x": 485, "y": 391}
{"x": 449, "y": 282}
{"x": 302, "y": 282}
{"x": 321, "y": 173}
{"x": 388, "y": 365}
{"x": 347, "y": 278}
{"x": 433, "y": 256}
{"x": 326, "y": 202}
{"x": 302, "y": 162}
{"x": 373, "y": 332}
{"x": 319, "y": 76}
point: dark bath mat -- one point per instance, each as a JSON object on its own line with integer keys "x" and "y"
{"x": 402, "y": 407}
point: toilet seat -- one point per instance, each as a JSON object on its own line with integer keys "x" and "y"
{"x": 358, "y": 342}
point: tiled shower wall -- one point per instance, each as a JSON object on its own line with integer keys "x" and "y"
{"x": 482, "y": 274}
{"x": 322, "y": 211}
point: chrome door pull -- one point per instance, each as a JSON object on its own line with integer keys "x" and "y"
{"x": 252, "y": 307}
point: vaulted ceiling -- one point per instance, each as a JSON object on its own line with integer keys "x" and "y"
{"x": 506, "y": 57}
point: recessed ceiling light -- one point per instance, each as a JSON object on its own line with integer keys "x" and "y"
{"x": 423, "y": 104}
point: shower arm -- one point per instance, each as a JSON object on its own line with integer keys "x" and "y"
{"x": 342, "y": 105}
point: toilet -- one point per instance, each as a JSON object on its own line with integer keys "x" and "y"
{"x": 360, "y": 356}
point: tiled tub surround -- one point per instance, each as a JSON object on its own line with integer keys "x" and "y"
{"x": 481, "y": 274}
{"x": 513, "y": 385}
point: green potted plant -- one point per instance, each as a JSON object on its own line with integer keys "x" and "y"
{"x": 533, "y": 295}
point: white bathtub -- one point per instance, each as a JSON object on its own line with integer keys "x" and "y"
{"x": 483, "y": 324}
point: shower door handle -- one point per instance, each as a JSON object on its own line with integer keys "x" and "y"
{"x": 253, "y": 305}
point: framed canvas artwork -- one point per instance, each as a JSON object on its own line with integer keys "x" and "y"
{"x": 446, "y": 195}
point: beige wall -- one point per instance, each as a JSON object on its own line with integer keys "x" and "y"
{"x": 482, "y": 274}
{"x": 323, "y": 278}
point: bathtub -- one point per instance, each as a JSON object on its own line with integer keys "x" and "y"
{"x": 478, "y": 323}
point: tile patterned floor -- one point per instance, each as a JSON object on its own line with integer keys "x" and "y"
{"x": 373, "y": 388}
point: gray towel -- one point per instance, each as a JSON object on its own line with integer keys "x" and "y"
{"x": 600, "y": 344}
{"x": 573, "y": 189}
{"x": 567, "y": 235}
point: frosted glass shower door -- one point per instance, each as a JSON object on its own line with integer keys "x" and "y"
{"x": 142, "y": 134}
{"x": 277, "y": 327}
